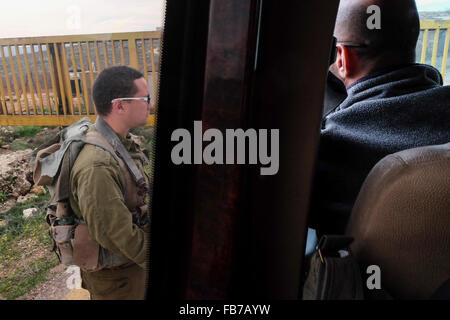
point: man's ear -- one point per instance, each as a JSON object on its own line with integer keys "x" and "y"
{"x": 117, "y": 106}
{"x": 338, "y": 67}
{"x": 346, "y": 63}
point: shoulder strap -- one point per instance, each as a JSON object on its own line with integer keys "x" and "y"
{"x": 111, "y": 137}
{"x": 97, "y": 139}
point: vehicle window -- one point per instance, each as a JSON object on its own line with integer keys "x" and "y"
{"x": 433, "y": 44}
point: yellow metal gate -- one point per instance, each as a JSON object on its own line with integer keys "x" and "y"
{"x": 440, "y": 28}
{"x": 46, "y": 81}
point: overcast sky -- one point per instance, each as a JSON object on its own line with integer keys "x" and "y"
{"x": 30, "y": 18}
{"x": 433, "y": 5}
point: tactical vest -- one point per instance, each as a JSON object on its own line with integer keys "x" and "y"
{"x": 72, "y": 240}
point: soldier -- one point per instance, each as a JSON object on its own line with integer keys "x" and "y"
{"x": 109, "y": 193}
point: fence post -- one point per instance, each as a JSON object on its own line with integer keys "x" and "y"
{"x": 133, "y": 53}
{"x": 57, "y": 80}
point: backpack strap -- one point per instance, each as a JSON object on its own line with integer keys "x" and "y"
{"x": 97, "y": 139}
{"x": 112, "y": 139}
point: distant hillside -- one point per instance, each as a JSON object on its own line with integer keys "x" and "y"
{"x": 435, "y": 15}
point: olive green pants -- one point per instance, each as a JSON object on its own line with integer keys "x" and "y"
{"x": 129, "y": 283}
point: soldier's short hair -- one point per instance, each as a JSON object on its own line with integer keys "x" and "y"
{"x": 111, "y": 83}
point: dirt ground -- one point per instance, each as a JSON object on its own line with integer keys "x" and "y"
{"x": 55, "y": 288}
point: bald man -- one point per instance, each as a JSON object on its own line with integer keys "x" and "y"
{"x": 392, "y": 104}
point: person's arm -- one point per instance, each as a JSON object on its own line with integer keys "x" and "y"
{"x": 102, "y": 206}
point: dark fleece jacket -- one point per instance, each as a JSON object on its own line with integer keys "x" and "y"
{"x": 383, "y": 113}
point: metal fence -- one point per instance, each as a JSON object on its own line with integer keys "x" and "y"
{"x": 46, "y": 81}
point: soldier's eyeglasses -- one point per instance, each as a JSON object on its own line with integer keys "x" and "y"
{"x": 146, "y": 99}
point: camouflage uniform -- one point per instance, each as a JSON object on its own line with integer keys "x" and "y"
{"x": 97, "y": 183}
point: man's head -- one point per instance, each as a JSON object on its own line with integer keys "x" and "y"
{"x": 362, "y": 50}
{"x": 112, "y": 91}
{"x": 112, "y": 83}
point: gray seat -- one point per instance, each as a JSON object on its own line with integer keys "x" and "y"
{"x": 401, "y": 221}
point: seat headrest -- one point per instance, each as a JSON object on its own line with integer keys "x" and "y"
{"x": 401, "y": 221}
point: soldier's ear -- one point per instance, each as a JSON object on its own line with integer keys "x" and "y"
{"x": 117, "y": 106}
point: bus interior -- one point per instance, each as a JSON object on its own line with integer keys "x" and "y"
{"x": 225, "y": 231}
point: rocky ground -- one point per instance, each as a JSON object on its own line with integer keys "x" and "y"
{"x": 16, "y": 186}
{"x": 16, "y": 178}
